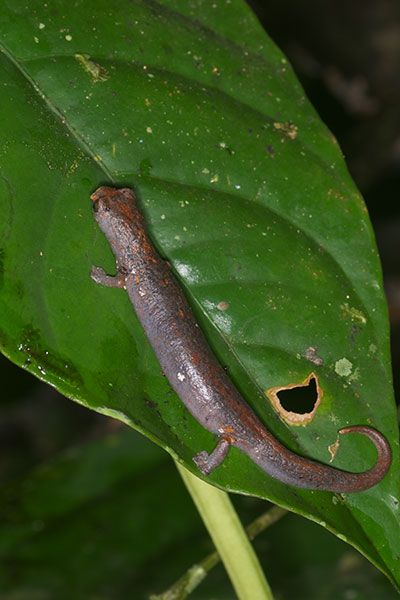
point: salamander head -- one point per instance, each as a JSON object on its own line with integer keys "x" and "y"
{"x": 117, "y": 214}
{"x": 108, "y": 202}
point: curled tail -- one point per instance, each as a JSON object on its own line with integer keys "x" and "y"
{"x": 357, "y": 482}
{"x": 283, "y": 464}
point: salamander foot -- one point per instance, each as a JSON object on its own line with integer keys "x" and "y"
{"x": 207, "y": 462}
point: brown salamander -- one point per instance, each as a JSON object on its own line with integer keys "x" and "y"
{"x": 191, "y": 367}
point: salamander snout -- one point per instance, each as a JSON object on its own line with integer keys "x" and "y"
{"x": 99, "y": 204}
{"x": 96, "y": 205}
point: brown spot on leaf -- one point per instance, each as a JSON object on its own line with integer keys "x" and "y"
{"x": 333, "y": 448}
{"x": 312, "y": 356}
{"x": 223, "y": 305}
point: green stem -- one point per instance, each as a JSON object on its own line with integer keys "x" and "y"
{"x": 229, "y": 537}
{"x": 195, "y": 575}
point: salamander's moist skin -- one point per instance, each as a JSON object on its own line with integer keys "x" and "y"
{"x": 192, "y": 369}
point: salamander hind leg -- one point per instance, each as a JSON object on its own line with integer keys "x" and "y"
{"x": 207, "y": 462}
{"x": 100, "y": 276}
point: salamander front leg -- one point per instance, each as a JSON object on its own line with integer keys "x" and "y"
{"x": 100, "y": 276}
{"x": 207, "y": 462}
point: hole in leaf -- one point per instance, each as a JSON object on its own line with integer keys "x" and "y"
{"x": 299, "y": 399}
{"x": 297, "y": 403}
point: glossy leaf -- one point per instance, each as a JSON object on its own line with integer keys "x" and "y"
{"x": 247, "y": 196}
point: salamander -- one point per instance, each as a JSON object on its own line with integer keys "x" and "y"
{"x": 192, "y": 369}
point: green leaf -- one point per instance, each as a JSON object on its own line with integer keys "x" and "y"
{"x": 247, "y": 196}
